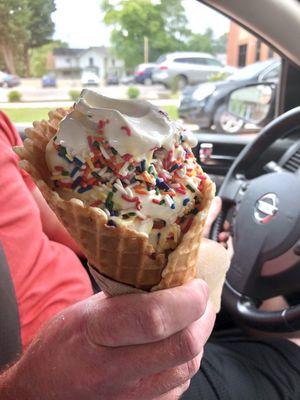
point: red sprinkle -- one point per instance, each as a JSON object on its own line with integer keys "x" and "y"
{"x": 130, "y": 199}
{"x": 58, "y": 168}
{"x": 127, "y": 157}
{"x": 96, "y": 203}
{"x": 126, "y": 129}
{"x": 155, "y": 201}
{"x": 101, "y": 125}
{"x": 180, "y": 190}
{"x": 187, "y": 225}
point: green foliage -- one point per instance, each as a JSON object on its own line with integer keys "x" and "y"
{"x": 24, "y": 24}
{"x": 74, "y": 94}
{"x": 133, "y": 92}
{"x": 132, "y": 20}
{"x": 40, "y": 25}
{"x": 14, "y": 96}
{"x": 220, "y": 76}
{"x": 39, "y": 56}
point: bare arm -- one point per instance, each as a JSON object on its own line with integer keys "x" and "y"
{"x": 52, "y": 227}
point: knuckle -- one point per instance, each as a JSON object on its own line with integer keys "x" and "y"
{"x": 153, "y": 322}
{"x": 193, "y": 366}
{"x": 190, "y": 343}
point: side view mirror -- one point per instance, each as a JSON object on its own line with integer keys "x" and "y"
{"x": 254, "y": 103}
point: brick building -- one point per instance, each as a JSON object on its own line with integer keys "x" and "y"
{"x": 243, "y": 48}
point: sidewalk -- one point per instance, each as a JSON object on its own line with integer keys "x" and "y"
{"x": 56, "y": 104}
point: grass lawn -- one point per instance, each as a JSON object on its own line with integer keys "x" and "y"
{"x": 19, "y": 115}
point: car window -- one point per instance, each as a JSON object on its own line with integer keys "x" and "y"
{"x": 161, "y": 59}
{"x": 163, "y": 56}
{"x": 250, "y": 71}
{"x": 186, "y": 60}
{"x": 211, "y": 61}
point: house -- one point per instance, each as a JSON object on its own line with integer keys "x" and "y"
{"x": 243, "y": 48}
{"x": 70, "y": 63}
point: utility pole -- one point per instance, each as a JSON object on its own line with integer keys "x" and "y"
{"x": 146, "y": 49}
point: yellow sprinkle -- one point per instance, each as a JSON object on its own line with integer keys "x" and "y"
{"x": 89, "y": 163}
{"x": 58, "y": 177}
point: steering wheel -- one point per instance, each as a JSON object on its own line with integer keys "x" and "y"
{"x": 266, "y": 233}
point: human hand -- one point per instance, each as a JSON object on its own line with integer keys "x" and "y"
{"x": 224, "y": 237}
{"x": 138, "y": 346}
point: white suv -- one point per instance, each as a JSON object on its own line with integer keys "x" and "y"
{"x": 186, "y": 68}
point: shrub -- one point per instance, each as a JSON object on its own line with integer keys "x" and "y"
{"x": 133, "y": 92}
{"x": 220, "y": 76}
{"x": 14, "y": 96}
{"x": 74, "y": 94}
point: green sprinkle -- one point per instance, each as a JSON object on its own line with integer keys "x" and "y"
{"x": 96, "y": 144}
{"x": 108, "y": 201}
{"x": 131, "y": 214}
{"x": 190, "y": 188}
{"x": 65, "y": 173}
{"x": 162, "y": 202}
{"x": 156, "y": 190}
{"x": 114, "y": 151}
{"x": 114, "y": 189}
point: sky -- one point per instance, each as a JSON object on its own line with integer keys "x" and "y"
{"x": 79, "y": 22}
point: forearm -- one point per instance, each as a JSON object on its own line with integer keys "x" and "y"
{"x": 52, "y": 227}
{"x": 15, "y": 386}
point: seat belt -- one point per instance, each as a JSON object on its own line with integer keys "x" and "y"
{"x": 10, "y": 338}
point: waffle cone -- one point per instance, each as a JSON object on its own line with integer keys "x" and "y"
{"x": 121, "y": 254}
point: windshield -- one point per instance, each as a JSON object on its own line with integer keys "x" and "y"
{"x": 250, "y": 71}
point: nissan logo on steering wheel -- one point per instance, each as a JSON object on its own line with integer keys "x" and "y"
{"x": 266, "y": 207}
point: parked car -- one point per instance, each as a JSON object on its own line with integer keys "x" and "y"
{"x": 89, "y": 78}
{"x": 205, "y": 104}
{"x": 49, "y": 80}
{"x": 112, "y": 79}
{"x": 186, "y": 68}
{"x": 127, "y": 80}
{"x": 8, "y": 80}
{"x": 143, "y": 73}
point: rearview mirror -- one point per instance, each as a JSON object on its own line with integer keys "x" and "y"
{"x": 254, "y": 103}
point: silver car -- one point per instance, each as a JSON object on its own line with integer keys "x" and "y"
{"x": 185, "y": 68}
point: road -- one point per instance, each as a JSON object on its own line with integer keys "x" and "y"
{"x": 32, "y": 91}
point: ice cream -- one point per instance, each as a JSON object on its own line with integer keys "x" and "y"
{"x": 129, "y": 160}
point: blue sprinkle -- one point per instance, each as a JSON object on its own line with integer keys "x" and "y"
{"x": 82, "y": 189}
{"x": 74, "y": 171}
{"x": 62, "y": 153}
{"x": 111, "y": 223}
{"x": 173, "y": 206}
{"x": 185, "y": 201}
{"x": 78, "y": 162}
{"x": 161, "y": 184}
{"x": 143, "y": 165}
{"x": 76, "y": 182}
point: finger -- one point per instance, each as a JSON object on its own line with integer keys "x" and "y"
{"x": 223, "y": 237}
{"x": 148, "y": 359}
{"x": 226, "y": 226}
{"x": 144, "y": 318}
{"x": 176, "y": 393}
{"x": 162, "y": 384}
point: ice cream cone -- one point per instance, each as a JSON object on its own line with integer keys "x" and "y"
{"x": 118, "y": 253}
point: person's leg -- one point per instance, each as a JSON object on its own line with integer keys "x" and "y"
{"x": 247, "y": 369}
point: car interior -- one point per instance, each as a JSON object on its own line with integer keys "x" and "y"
{"x": 258, "y": 178}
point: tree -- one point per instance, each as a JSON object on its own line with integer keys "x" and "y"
{"x": 220, "y": 44}
{"x": 39, "y": 56}
{"x": 201, "y": 42}
{"x": 24, "y": 24}
{"x": 14, "y": 17}
{"x": 132, "y": 20}
{"x": 40, "y": 27}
